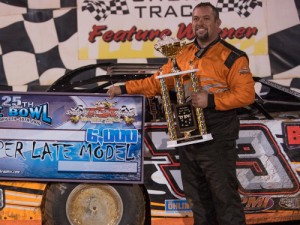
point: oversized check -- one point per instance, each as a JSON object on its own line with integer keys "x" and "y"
{"x": 73, "y": 137}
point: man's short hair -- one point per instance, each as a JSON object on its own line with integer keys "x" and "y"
{"x": 208, "y": 4}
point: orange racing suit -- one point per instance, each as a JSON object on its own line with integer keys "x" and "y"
{"x": 231, "y": 83}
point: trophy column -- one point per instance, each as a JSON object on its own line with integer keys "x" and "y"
{"x": 199, "y": 111}
{"x": 168, "y": 109}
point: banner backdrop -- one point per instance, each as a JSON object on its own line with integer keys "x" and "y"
{"x": 71, "y": 137}
{"x": 115, "y": 29}
{"x": 46, "y": 34}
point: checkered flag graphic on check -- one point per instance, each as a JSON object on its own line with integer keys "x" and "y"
{"x": 101, "y": 9}
{"x": 243, "y": 7}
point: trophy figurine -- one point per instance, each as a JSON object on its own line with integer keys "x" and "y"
{"x": 188, "y": 130}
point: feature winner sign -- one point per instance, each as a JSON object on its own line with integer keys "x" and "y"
{"x": 114, "y": 29}
{"x": 50, "y": 136}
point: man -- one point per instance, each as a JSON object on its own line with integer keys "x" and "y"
{"x": 208, "y": 168}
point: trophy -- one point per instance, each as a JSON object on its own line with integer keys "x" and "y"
{"x": 188, "y": 130}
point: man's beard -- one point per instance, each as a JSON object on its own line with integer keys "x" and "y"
{"x": 202, "y": 38}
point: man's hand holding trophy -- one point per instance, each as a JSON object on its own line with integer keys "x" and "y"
{"x": 188, "y": 130}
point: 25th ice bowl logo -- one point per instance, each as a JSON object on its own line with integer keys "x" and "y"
{"x": 14, "y": 109}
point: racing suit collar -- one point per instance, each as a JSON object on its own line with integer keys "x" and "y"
{"x": 201, "y": 51}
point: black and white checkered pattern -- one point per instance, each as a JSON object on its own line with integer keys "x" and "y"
{"x": 37, "y": 50}
{"x": 39, "y": 57}
{"x": 242, "y": 7}
{"x": 34, "y": 4}
{"x": 100, "y": 10}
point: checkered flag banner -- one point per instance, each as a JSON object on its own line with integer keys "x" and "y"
{"x": 243, "y": 7}
{"x": 101, "y": 9}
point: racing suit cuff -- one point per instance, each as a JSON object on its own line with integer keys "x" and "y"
{"x": 210, "y": 101}
{"x": 123, "y": 89}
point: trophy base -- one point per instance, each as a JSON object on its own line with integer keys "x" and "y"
{"x": 189, "y": 141}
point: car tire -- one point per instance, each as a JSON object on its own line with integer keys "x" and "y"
{"x": 93, "y": 204}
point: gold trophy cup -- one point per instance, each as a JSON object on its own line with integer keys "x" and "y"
{"x": 188, "y": 130}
